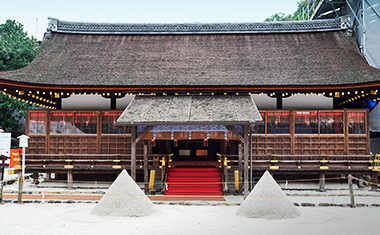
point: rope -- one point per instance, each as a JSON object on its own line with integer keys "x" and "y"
{"x": 213, "y": 182}
{"x": 367, "y": 182}
{"x": 44, "y": 193}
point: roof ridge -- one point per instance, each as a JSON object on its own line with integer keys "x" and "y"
{"x": 56, "y": 25}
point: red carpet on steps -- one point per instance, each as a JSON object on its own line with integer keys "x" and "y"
{"x": 194, "y": 181}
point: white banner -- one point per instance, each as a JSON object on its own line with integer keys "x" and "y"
{"x": 5, "y": 144}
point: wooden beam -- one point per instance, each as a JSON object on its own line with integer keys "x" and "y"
{"x": 146, "y": 131}
{"x": 236, "y": 88}
{"x": 229, "y": 127}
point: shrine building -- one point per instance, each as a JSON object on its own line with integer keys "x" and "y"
{"x": 202, "y": 109}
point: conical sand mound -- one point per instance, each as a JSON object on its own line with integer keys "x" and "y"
{"x": 124, "y": 198}
{"x": 267, "y": 201}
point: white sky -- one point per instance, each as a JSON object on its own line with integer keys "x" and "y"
{"x": 139, "y": 11}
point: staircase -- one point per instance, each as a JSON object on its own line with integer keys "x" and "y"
{"x": 194, "y": 182}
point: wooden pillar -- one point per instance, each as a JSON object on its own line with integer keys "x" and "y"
{"x": 335, "y": 103}
{"x": 374, "y": 180}
{"x": 223, "y": 147}
{"x": 70, "y": 179}
{"x": 246, "y": 155}
{"x": 351, "y": 191}
{"x": 279, "y": 102}
{"x": 35, "y": 177}
{"x": 360, "y": 183}
{"x": 240, "y": 149}
{"x": 113, "y": 102}
{"x": 2, "y": 170}
{"x": 133, "y": 153}
{"x": 250, "y": 161}
{"x": 1, "y": 181}
{"x": 345, "y": 132}
{"x": 59, "y": 103}
{"x": 322, "y": 181}
{"x": 20, "y": 188}
{"x": 146, "y": 170}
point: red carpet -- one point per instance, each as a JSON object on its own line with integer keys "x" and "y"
{"x": 194, "y": 182}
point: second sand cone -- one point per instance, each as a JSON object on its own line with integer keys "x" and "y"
{"x": 268, "y": 201}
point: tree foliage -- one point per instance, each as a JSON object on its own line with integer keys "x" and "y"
{"x": 304, "y": 11}
{"x": 17, "y": 50}
{"x": 12, "y": 113}
{"x": 280, "y": 17}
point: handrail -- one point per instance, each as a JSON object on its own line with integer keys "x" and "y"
{"x": 166, "y": 160}
{"x": 224, "y": 165}
{"x": 84, "y": 154}
{"x": 303, "y": 155}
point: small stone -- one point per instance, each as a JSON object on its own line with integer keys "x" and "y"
{"x": 361, "y": 205}
{"x": 324, "y": 204}
{"x": 307, "y": 204}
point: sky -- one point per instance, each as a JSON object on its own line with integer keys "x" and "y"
{"x": 33, "y": 14}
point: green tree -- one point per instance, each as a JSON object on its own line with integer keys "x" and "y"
{"x": 304, "y": 12}
{"x": 17, "y": 50}
{"x": 279, "y": 17}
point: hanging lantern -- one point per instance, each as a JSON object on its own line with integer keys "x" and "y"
{"x": 205, "y": 142}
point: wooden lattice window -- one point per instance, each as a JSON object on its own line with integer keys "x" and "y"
{"x": 109, "y": 123}
{"x": 331, "y": 122}
{"x": 306, "y": 122}
{"x": 61, "y": 122}
{"x": 278, "y": 122}
{"x": 85, "y": 123}
{"x": 37, "y": 123}
{"x": 259, "y": 127}
{"x": 356, "y": 122}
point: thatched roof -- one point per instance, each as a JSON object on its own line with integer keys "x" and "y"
{"x": 204, "y": 55}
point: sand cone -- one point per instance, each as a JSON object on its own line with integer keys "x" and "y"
{"x": 267, "y": 201}
{"x": 124, "y": 198}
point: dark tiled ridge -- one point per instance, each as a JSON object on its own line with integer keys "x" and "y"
{"x": 109, "y": 28}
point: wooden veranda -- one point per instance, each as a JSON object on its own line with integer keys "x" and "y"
{"x": 294, "y": 143}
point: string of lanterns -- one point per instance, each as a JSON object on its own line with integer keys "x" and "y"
{"x": 42, "y": 98}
